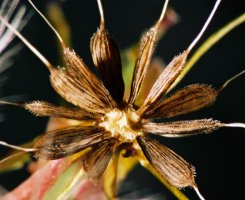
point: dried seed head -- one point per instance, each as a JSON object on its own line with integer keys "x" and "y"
{"x": 112, "y": 125}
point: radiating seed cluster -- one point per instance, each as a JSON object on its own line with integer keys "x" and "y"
{"x": 109, "y": 120}
{"x": 114, "y": 120}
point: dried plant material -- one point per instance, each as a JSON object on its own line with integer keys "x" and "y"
{"x": 40, "y": 108}
{"x": 61, "y": 143}
{"x": 207, "y": 44}
{"x": 182, "y": 128}
{"x": 95, "y": 161}
{"x": 172, "y": 71}
{"x": 147, "y": 45}
{"x": 146, "y": 164}
{"x": 107, "y": 59}
{"x": 155, "y": 69}
{"x": 186, "y": 100}
{"x": 61, "y": 81}
{"x": 118, "y": 124}
{"x": 130, "y": 54}
{"x": 81, "y": 74}
{"x": 163, "y": 83}
{"x": 146, "y": 49}
{"x": 171, "y": 166}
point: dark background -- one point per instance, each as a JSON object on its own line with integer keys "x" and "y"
{"x": 218, "y": 157}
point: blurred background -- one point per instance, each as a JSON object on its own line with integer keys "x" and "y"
{"x": 218, "y": 158}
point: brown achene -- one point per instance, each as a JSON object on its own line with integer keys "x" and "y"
{"x": 115, "y": 122}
